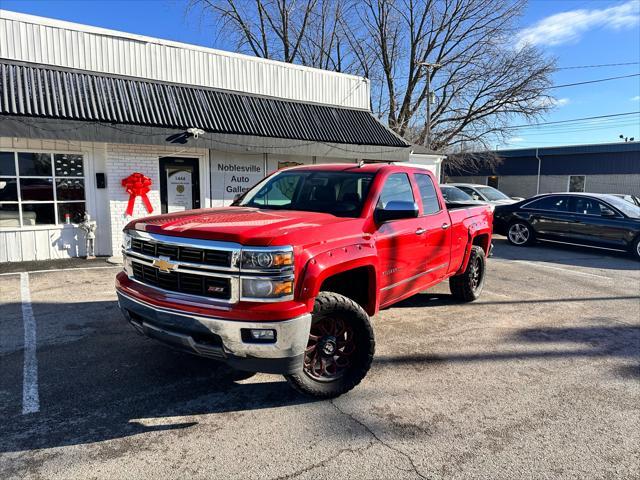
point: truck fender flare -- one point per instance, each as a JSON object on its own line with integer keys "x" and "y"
{"x": 336, "y": 261}
{"x": 475, "y": 230}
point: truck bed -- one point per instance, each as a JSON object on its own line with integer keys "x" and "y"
{"x": 466, "y": 222}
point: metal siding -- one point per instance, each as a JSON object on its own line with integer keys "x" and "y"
{"x": 592, "y": 163}
{"x": 612, "y": 159}
{"x": 26, "y": 38}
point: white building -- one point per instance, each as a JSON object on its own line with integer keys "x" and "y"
{"x": 82, "y": 108}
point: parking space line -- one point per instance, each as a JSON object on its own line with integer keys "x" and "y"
{"x": 30, "y": 396}
{"x": 61, "y": 270}
{"x": 574, "y": 272}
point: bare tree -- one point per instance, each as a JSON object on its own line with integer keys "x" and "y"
{"x": 269, "y": 29}
{"x": 482, "y": 83}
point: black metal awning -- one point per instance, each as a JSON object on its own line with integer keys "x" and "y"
{"x": 45, "y": 92}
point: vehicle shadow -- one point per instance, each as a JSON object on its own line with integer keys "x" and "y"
{"x": 563, "y": 255}
{"x": 428, "y": 299}
{"x": 111, "y": 383}
{"x": 598, "y": 341}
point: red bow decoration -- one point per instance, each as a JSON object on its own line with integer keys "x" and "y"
{"x": 137, "y": 185}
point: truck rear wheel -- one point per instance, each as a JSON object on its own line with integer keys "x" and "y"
{"x": 468, "y": 286}
{"x": 340, "y": 348}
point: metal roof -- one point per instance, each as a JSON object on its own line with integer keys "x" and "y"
{"x": 617, "y": 147}
{"x": 620, "y": 158}
{"x": 39, "y": 91}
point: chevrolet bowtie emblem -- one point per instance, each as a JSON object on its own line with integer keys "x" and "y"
{"x": 164, "y": 265}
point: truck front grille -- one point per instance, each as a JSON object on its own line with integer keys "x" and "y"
{"x": 216, "y": 258}
{"x": 204, "y": 285}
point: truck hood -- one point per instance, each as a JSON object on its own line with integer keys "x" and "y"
{"x": 248, "y": 226}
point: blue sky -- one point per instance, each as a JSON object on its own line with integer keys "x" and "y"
{"x": 577, "y": 32}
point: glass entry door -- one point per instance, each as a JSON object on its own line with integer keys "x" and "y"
{"x": 179, "y": 184}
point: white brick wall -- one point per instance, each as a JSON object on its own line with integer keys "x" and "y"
{"x": 122, "y": 161}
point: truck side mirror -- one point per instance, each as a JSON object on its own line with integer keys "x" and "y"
{"x": 395, "y": 210}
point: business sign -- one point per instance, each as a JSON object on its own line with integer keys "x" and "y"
{"x": 233, "y": 175}
{"x": 179, "y": 190}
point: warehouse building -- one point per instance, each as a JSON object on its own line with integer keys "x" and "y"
{"x": 84, "y": 108}
{"x": 602, "y": 168}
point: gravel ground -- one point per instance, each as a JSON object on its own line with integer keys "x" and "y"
{"x": 540, "y": 378}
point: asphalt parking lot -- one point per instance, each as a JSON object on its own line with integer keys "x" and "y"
{"x": 540, "y": 378}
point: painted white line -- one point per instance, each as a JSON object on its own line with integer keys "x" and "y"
{"x": 61, "y": 270}
{"x": 30, "y": 397}
{"x": 574, "y": 272}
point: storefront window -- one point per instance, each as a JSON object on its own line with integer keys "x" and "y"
{"x": 41, "y": 189}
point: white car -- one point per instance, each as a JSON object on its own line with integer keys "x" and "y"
{"x": 457, "y": 198}
{"x": 485, "y": 193}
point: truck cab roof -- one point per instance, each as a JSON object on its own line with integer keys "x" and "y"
{"x": 370, "y": 167}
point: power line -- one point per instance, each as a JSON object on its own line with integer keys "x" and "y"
{"x": 593, "y": 128}
{"x": 571, "y": 67}
{"x": 604, "y": 123}
{"x": 576, "y": 119}
{"x": 595, "y": 81}
{"x": 598, "y": 66}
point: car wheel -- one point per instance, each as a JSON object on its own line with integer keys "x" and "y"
{"x": 468, "y": 286}
{"x": 635, "y": 248}
{"x": 340, "y": 348}
{"x": 520, "y": 234}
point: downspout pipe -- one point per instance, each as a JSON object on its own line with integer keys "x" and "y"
{"x": 539, "y": 168}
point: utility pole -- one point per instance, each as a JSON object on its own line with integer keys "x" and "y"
{"x": 429, "y": 67}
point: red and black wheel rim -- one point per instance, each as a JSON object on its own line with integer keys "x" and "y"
{"x": 330, "y": 350}
{"x": 475, "y": 274}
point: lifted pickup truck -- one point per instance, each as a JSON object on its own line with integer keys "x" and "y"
{"x": 286, "y": 279}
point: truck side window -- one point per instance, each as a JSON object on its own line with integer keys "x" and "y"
{"x": 427, "y": 190}
{"x": 397, "y": 187}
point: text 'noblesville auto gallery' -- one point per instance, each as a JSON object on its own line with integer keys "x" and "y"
{"x": 83, "y": 109}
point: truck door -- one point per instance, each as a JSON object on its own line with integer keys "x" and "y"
{"x": 437, "y": 238}
{"x": 400, "y": 243}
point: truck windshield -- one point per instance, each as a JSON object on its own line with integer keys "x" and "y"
{"x": 338, "y": 193}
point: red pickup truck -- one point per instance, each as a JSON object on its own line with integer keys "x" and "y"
{"x": 286, "y": 279}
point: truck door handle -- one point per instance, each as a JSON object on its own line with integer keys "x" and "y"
{"x": 420, "y": 231}
{"x": 445, "y": 226}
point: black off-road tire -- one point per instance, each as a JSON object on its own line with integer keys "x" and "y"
{"x": 514, "y": 238}
{"x": 333, "y": 307}
{"x": 467, "y": 286}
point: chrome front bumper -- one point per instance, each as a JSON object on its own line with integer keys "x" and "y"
{"x": 222, "y": 339}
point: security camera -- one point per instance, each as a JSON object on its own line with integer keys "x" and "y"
{"x": 195, "y": 132}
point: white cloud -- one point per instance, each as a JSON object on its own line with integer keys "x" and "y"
{"x": 569, "y": 26}
{"x": 636, "y": 98}
{"x": 552, "y": 102}
{"x": 515, "y": 140}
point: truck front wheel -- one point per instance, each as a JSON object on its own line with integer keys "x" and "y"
{"x": 340, "y": 348}
{"x": 467, "y": 286}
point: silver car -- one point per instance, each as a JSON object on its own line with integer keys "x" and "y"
{"x": 485, "y": 193}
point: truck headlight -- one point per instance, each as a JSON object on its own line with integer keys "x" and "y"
{"x": 266, "y": 260}
{"x": 126, "y": 241}
{"x": 264, "y": 288}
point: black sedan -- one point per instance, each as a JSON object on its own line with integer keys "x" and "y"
{"x": 587, "y": 219}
